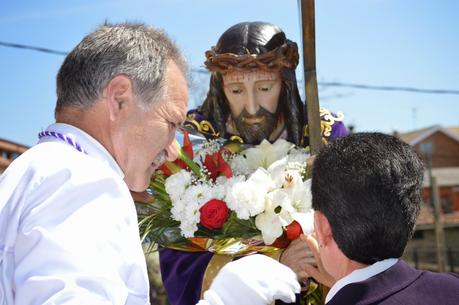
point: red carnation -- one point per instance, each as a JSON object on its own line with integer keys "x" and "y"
{"x": 214, "y": 214}
{"x": 293, "y": 230}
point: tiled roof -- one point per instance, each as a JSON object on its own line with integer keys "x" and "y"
{"x": 408, "y": 137}
{"x": 426, "y": 218}
{"x": 446, "y": 176}
{"x": 454, "y": 130}
{"x": 4, "y": 162}
{"x": 12, "y": 146}
{"x": 415, "y": 136}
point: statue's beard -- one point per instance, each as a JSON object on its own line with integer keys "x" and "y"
{"x": 253, "y": 128}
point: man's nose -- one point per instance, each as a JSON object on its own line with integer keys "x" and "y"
{"x": 251, "y": 105}
{"x": 171, "y": 151}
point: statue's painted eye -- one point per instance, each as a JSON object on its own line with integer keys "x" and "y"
{"x": 236, "y": 91}
{"x": 264, "y": 88}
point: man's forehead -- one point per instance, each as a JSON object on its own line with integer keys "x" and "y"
{"x": 257, "y": 75}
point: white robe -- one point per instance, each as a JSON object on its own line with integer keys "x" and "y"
{"x": 68, "y": 228}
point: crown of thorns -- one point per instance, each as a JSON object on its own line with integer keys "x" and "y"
{"x": 284, "y": 56}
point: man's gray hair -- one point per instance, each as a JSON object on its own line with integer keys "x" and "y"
{"x": 138, "y": 51}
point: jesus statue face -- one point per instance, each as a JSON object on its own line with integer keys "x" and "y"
{"x": 253, "y": 98}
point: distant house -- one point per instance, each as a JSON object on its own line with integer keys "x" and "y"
{"x": 9, "y": 151}
{"x": 445, "y": 162}
{"x": 444, "y": 145}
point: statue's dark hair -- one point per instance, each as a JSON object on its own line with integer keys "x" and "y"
{"x": 255, "y": 38}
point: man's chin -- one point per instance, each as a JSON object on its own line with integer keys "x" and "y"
{"x": 137, "y": 185}
{"x": 138, "y": 188}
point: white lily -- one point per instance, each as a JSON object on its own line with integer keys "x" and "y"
{"x": 301, "y": 196}
{"x": 276, "y": 216}
{"x": 306, "y": 221}
{"x": 301, "y": 202}
{"x": 264, "y": 154}
{"x": 299, "y": 155}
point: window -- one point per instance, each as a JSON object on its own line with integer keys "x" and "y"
{"x": 446, "y": 204}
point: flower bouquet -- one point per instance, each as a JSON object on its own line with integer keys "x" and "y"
{"x": 229, "y": 199}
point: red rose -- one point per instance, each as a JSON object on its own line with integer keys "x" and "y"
{"x": 214, "y": 214}
{"x": 293, "y": 230}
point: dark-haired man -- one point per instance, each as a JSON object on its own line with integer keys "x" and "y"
{"x": 366, "y": 192}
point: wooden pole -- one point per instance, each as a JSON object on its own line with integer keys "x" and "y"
{"x": 439, "y": 232}
{"x": 310, "y": 78}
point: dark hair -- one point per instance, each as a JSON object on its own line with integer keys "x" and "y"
{"x": 256, "y": 38}
{"x": 368, "y": 186}
{"x": 136, "y": 50}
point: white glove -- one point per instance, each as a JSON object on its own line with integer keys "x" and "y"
{"x": 252, "y": 280}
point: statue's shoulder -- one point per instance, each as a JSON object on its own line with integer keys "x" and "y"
{"x": 331, "y": 125}
{"x": 198, "y": 122}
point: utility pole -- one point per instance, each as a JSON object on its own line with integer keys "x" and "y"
{"x": 439, "y": 232}
{"x": 427, "y": 150}
{"x": 310, "y": 77}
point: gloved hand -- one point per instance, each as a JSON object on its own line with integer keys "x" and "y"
{"x": 252, "y": 280}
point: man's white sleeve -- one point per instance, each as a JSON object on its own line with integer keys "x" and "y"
{"x": 78, "y": 243}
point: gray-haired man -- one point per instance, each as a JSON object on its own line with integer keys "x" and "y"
{"x": 68, "y": 225}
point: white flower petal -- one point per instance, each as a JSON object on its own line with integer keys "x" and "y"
{"x": 306, "y": 221}
{"x": 270, "y": 226}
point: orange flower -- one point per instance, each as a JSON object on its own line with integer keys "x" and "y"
{"x": 217, "y": 166}
{"x": 169, "y": 167}
{"x": 293, "y": 230}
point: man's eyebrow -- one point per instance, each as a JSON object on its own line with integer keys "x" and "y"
{"x": 180, "y": 117}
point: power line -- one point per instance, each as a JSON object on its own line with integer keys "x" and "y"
{"x": 388, "y": 88}
{"x": 325, "y": 84}
{"x": 39, "y": 49}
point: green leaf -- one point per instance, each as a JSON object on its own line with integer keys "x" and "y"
{"x": 235, "y": 227}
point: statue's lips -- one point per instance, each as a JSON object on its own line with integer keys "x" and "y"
{"x": 254, "y": 119}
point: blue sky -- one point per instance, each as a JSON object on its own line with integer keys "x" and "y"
{"x": 409, "y": 43}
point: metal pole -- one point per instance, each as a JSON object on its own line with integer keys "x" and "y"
{"x": 439, "y": 233}
{"x": 450, "y": 259}
{"x": 416, "y": 257}
{"x": 310, "y": 78}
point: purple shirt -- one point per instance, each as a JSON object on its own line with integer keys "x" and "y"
{"x": 401, "y": 284}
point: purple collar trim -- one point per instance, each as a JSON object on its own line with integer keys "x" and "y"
{"x": 62, "y": 137}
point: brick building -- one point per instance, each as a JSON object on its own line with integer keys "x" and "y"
{"x": 444, "y": 146}
{"x": 8, "y": 152}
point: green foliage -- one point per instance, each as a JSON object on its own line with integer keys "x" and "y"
{"x": 314, "y": 295}
{"x": 235, "y": 227}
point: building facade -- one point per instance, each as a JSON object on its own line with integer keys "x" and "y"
{"x": 439, "y": 148}
{"x": 9, "y": 151}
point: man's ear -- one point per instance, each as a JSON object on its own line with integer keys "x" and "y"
{"x": 323, "y": 229}
{"x": 119, "y": 96}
